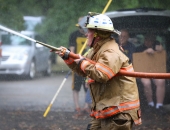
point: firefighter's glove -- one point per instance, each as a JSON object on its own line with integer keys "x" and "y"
{"x": 80, "y": 60}
{"x": 63, "y": 53}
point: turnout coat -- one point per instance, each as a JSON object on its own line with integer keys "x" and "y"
{"x": 111, "y": 93}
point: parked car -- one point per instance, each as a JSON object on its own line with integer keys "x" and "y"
{"x": 23, "y": 57}
{"x": 30, "y": 23}
{"x": 140, "y": 21}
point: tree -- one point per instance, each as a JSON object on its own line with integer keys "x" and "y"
{"x": 10, "y": 15}
{"x": 61, "y": 19}
{"x": 62, "y": 15}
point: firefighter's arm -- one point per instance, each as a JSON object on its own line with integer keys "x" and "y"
{"x": 102, "y": 70}
{"x": 65, "y": 53}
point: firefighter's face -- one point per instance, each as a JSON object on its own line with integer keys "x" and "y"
{"x": 90, "y": 36}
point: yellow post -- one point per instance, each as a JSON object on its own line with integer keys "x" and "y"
{"x": 50, "y": 105}
{"x": 106, "y": 7}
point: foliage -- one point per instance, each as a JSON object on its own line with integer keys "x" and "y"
{"x": 61, "y": 16}
{"x": 10, "y": 15}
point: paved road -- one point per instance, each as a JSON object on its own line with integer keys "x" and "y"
{"x": 37, "y": 94}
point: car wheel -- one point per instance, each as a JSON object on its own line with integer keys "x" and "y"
{"x": 32, "y": 71}
{"x": 47, "y": 72}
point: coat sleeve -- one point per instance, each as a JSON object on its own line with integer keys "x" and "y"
{"x": 74, "y": 67}
{"x": 106, "y": 67}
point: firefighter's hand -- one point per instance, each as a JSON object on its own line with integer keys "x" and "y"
{"x": 78, "y": 60}
{"x": 63, "y": 52}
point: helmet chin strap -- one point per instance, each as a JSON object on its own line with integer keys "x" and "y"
{"x": 92, "y": 42}
{"x": 95, "y": 35}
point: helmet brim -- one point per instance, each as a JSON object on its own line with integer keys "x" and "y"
{"x": 115, "y": 31}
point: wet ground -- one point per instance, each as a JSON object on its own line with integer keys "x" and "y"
{"x": 23, "y": 104}
{"x": 34, "y": 120}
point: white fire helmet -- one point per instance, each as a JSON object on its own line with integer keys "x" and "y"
{"x": 100, "y": 22}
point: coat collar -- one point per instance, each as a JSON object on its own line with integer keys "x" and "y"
{"x": 99, "y": 43}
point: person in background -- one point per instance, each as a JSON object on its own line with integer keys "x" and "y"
{"x": 128, "y": 47}
{"x": 115, "y": 99}
{"x": 76, "y": 41}
{"x": 150, "y": 46}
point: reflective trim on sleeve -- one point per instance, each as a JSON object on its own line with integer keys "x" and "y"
{"x": 84, "y": 64}
{"x": 105, "y": 70}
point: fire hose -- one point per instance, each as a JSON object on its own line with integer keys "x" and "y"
{"x": 76, "y": 56}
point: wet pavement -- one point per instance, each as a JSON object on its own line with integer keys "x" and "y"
{"x": 37, "y": 94}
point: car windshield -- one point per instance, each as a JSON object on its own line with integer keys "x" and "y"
{"x": 14, "y": 40}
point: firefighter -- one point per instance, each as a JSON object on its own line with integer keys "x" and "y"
{"x": 115, "y": 99}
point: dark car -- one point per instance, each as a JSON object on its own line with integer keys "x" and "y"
{"x": 139, "y": 22}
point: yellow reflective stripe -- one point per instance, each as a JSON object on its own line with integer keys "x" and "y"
{"x": 84, "y": 64}
{"x": 105, "y": 114}
{"x": 115, "y": 109}
{"x": 129, "y": 105}
{"x": 105, "y": 70}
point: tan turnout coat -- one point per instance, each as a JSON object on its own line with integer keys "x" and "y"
{"x": 108, "y": 89}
